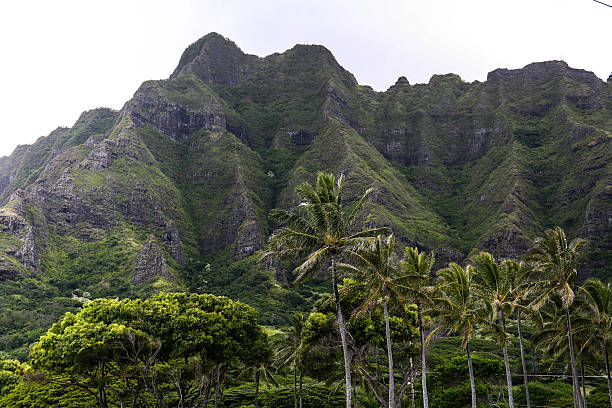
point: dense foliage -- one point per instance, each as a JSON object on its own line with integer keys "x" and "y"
{"x": 197, "y": 350}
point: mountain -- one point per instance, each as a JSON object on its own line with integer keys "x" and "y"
{"x": 172, "y": 192}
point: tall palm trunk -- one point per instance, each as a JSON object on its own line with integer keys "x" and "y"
{"x": 301, "y": 380}
{"x": 507, "y": 362}
{"x": 577, "y": 398}
{"x": 257, "y": 388}
{"x": 390, "y": 355}
{"x": 525, "y": 379}
{"x": 471, "y": 370}
{"x": 411, "y": 382}
{"x": 342, "y": 329}
{"x": 294, "y": 386}
{"x": 423, "y": 361}
{"x": 584, "y": 395}
{"x": 608, "y": 372}
{"x": 217, "y": 385}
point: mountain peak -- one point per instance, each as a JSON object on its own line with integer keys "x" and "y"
{"x": 540, "y": 72}
{"x": 213, "y": 58}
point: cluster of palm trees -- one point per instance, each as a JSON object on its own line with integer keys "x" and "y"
{"x": 482, "y": 295}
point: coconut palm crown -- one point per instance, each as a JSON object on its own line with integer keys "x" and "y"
{"x": 461, "y": 310}
{"x": 417, "y": 288}
{"x": 598, "y": 297}
{"x": 556, "y": 262}
{"x": 322, "y": 230}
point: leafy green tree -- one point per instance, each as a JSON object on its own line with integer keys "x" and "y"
{"x": 449, "y": 385}
{"x": 461, "y": 310}
{"x": 598, "y": 297}
{"x": 85, "y": 355}
{"x": 321, "y": 230}
{"x": 417, "y": 288}
{"x": 171, "y": 348}
{"x": 319, "y": 357}
{"x": 556, "y": 261}
{"x": 11, "y": 372}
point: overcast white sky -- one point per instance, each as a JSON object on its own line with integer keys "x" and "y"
{"x": 59, "y": 58}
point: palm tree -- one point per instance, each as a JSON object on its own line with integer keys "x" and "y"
{"x": 416, "y": 269}
{"x": 504, "y": 286}
{"x": 598, "y": 297}
{"x": 374, "y": 267}
{"x": 461, "y": 310}
{"x": 496, "y": 288}
{"x": 321, "y": 230}
{"x": 556, "y": 261}
{"x": 288, "y": 351}
{"x": 552, "y": 337}
{"x": 521, "y": 293}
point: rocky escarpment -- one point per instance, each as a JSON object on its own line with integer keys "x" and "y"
{"x": 216, "y": 60}
{"x": 172, "y": 192}
{"x": 198, "y": 160}
{"x": 19, "y": 250}
{"x": 167, "y": 106}
{"x": 151, "y": 263}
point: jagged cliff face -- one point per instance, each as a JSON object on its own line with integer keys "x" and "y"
{"x": 191, "y": 165}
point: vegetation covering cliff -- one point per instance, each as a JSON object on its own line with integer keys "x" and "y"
{"x": 173, "y": 190}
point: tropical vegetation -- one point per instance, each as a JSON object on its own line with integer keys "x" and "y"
{"x": 392, "y": 332}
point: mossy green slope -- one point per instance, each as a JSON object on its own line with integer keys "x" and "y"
{"x": 191, "y": 165}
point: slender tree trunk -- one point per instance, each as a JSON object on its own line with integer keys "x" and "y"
{"x": 471, "y": 370}
{"x": 584, "y": 395}
{"x": 507, "y": 362}
{"x": 608, "y": 372}
{"x": 354, "y": 392}
{"x": 301, "y": 395}
{"x": 390, "y": 355}
{"x": 412, "y": 381}
{"x": 347, "y": 360}
{"x": 256, "y": 388}
{"x": 423, "y": 361}
{"x": 525, "y": 379}
{"x": 217, "y": 386}
{"x": 377, "y": 368}
{"x": 294, "y": 386}
{"x": 217, "y": 395}
{"x": 577, "y": 398}
{"x": 207, "y": 394}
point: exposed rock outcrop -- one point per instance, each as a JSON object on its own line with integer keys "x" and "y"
{"x": 172, "y": 240}
{"x": 455, "y": 164}
{"x": 152, "y": 105}
{"x": 151, "y": 263}
{"x": 244, "y": 221}
{"x": 29, "y": 254}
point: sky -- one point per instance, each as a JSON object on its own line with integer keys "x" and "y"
{"x": 60, "y": 58}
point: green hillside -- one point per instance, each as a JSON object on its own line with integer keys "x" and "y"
{"x": 173, "y": 191}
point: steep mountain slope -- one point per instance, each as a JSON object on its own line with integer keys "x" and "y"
{"x": 173, "y": 190}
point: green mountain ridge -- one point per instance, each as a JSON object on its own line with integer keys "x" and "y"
{"x": 186, "y": 172}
